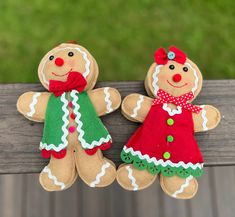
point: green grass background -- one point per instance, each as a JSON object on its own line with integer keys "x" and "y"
{"x": 121, "y": 34}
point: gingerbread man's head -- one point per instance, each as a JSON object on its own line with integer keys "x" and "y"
{"x": 65, "y": 59}
{"x": 174, "y": 73}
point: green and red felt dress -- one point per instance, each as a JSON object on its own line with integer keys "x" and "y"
{"x": 92, "y": 134}
{"x": 165, "y": 142}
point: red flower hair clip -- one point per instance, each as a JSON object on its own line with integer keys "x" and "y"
{"x": 161, "y": 56}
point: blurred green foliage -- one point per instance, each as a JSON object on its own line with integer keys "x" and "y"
{"x": 121, "y": 34}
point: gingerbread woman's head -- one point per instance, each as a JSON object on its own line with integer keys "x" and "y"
{"x": 174, "y": 73}
{"x": 65, "y": 59}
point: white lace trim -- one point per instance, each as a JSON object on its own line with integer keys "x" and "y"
{"x": 138, "y": 106}
{"x": 81, "y": 132}
{"x": 107, "y": 100}
{"x": 53, "y": 178}
{"x": 170, "y": 111}
{"x": 64, "y": 129}
{"x": 161, "y": 162}
{"x": 99, "y": 175}
{"x": 183, "y": 186}
{"x": 32, "y": 104}
{"x": 132, "y": 178}
{"x": 205, "y": 120}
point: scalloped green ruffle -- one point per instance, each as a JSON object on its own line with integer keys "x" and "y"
{"x": 155, "y": 169}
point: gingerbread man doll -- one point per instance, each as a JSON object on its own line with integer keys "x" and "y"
{"x": 164, "y": 144}
{"x": 73, "y": 136}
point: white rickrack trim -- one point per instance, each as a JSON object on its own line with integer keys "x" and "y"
{"x": 81, "y": 132}
{"x": 132, "y": 178}
{"x": 107, "y": 100}
{"x": 161, "y": 162}
{"x": 64, "y": 129}
{"x": 155, "y": 79}
{"x": 138, "y": 106}
{"x": 205, "y": 120}
{"x": 170, "y": 111}
{"x": 99, "y": 175}
{"x": 53, "y": 178}
{"x": 32, "y": 104}
{"x": 183, "y": 186}
{"x": 196, "y": 78}
{"x": 84, "y": 55}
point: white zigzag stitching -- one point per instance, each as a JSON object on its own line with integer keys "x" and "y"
{"x": 132, "y": 178}
{"x": 161, "y": 162}
{"x": 138, "y": 105}
{"x": 205, "y": 120}
{"x": 99, "y": 175}
{"x": 64, "y": 129}
{"x": 181, "y": 190}
{"x": 32, "y": 104}
{"x": 107, "y": 100}
{"x": 50, "y": 176}
{"x": 155, "y": 79}
{"x": 79, "y": 126}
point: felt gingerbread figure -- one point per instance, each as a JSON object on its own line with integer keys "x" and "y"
{"x": 164, "y": 144}
{"x": 73, "y": 136}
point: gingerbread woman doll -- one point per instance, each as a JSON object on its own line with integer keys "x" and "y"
{"x": 73, "y": 136}
{"x": 164, "y": 144}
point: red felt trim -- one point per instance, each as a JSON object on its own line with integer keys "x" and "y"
{"x": 103, "y": 147}
{"x": 57, "y": 155}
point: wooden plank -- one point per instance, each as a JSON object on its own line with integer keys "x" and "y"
{"x": 19, "y": 138}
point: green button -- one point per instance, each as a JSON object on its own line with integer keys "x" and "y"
{"x": 170, "y": 121}
{"x": 166, "y": 155}
{"x": 170, "y": 138}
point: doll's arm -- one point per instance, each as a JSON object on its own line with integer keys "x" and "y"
{"x": 33, "y": 105}
{"x": 207, "y": 119}
{"x": 135, "y": 107}
{"x": 105, "y": 100}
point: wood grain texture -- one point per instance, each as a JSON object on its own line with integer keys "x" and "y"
{"x": 19, "y": 138}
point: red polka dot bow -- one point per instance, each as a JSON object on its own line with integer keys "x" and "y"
{"x": 161, "y": 56}
{"x": 181, "y": 101}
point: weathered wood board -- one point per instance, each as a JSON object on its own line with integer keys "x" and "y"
{"x": 19, "y": 137}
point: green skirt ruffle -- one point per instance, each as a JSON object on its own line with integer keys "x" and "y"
{"x": 155, "y": 169}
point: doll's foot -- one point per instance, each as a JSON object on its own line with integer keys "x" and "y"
{"x": 178, "y": 187}
{"x": 95, "y": 170}
{"x": 59, "y": 174}
{"x": 133, "y": 179}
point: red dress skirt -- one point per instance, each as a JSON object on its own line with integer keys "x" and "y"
{"x": 165, "y": 143}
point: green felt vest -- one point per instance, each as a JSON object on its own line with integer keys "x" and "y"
{"x": 91, "y": 131}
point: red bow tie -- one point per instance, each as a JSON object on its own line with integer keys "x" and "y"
{"x": 75, "y": 81}
{"x": 161, "y": 56}
{"x": 181, "y": 101}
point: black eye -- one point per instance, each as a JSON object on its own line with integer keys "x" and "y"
{"x": 185, "y": 69}
{"x": 51, "y": 57}
{"x": 70, "y": 54}
{"x": 171, "y": 67}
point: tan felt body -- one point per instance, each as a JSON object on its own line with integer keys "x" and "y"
{"x": 94, "y": 170}
{"x": 135, "y": 107}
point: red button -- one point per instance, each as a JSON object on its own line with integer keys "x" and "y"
{"x": 72, "y": 129}
{"x": 73, "y": 116}
{"x": 70, "y": 104}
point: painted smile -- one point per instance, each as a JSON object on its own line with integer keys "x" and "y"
{"x": 177, "y": 86}
{"x": 53, "y": 73}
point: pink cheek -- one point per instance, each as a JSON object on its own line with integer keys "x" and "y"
{"x": 163, "y": 77}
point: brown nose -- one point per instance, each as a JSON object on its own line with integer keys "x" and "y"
{"x": 59, "y": 61}
{"x": 176, "y": 78}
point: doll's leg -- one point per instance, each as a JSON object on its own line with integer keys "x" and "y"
{"x": 59, "y": 174}
{"x": 178, "y": 187}
{"x": 133, "y": 179}
{"x": 95, "y": 170}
